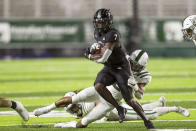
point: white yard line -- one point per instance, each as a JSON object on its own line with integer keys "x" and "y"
{"x": 99, "y": 121}
{"x": 142, "y": 121}
{"x": 170, "y": 93}
{"x": 50, "y": 114}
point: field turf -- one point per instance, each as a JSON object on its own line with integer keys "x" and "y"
{"x": 39, "y": 82}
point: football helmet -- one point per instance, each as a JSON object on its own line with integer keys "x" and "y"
{"x": 74, "y": 109}
{"x": 188, "y": 29}
{"x": 103, "y": 20}
{"x": 138, "y": 60}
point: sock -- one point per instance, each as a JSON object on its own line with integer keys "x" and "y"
{"x": 13, "y": 105}
{"x": 164, "y": 110}
{"x": 52, "y": 106}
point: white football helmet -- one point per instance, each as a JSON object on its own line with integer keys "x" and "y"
{"x": 69, "y": 94}
{"x": 138, "y": 60}
{"x": 74, "y": 109}
{"x": 188, "y": 29}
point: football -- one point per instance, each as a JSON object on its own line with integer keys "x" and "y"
{"x": 96, "y": 48}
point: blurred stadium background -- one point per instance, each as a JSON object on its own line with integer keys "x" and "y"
{"x": 63, "y": 28}
{"x": 50, "y": 28}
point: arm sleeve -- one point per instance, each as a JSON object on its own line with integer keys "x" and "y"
{"x": 105, "y": 56}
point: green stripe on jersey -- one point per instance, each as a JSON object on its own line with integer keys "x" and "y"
{"x": 139, "y": 55}
{"x": 144, "y": 75}
{"x": 116, "y": 87}
{"x": 141, "y": 73}
{"x": 147, "y": 112}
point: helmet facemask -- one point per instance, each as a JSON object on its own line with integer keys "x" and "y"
{"x": 138, "y": 60}
{"x": 75, "y": 109}
{"x": 188, "y": 33}
{"x": 189, "y": 28}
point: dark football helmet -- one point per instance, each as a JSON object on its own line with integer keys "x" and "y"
{"x": 103, "y": 20}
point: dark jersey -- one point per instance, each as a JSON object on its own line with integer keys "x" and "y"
{"x": 117, "y": 58}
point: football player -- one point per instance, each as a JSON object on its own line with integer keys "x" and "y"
{"x": 142, "y": 77}
{"x": 188, "y": 29}
{"x": 17, "y": 106}
{"x": 116, "y": 67}
{"x": 152, "y": 110}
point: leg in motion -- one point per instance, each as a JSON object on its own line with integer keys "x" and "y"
{"x": 105, "y": 93}
{"x": 87, "y": 95}
{"x": 127, "y": 94}
{"x": 17, "y": 106}
{"x": 95, "y": 114}
{"x": 160, "y": 103}
{"x": 177, "y": 109}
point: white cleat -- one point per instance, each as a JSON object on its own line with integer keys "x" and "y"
{"x": 41, "y": 111}
{"x": 22, "y": 111}
{"x": 183, "y": 111}
{"x": 162, "y": 100}
{"x": 71, "y": 124}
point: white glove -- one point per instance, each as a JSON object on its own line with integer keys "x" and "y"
{"x": 94, "y": 47}
{"x": 66, "y": 125}
{"x": 138, "y": 95}
{"x": 132, "y": 83}
{"x": 128, "y": 57}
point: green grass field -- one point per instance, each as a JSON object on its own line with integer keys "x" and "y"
{"x": 38, "y": 82}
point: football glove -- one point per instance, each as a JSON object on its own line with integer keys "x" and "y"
{"x": 95, "y": 48}
{"x": 87, "y": 53}
{"x": 138, "y": 95}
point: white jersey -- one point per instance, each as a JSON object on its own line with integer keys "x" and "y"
{"x": 86, "y": 107}
{"x": 142, "y": 76}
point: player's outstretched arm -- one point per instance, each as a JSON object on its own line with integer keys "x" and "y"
{"x": 60, "y": 103}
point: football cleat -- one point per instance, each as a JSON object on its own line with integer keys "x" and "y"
{"x": 22, "y": 111}
{"x": 162, "y": 100}
{"x": 66, "y": 125}
{"x": 149, "y": 125}
{"x": 183, "y": 111}
{"x": 41, "y": 111}
{"x": 121, "y": 112}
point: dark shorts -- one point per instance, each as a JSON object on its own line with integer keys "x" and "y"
{"x": 109, "y": 76}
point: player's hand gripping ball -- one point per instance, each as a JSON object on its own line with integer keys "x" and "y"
{"x": 96, "y": 48}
